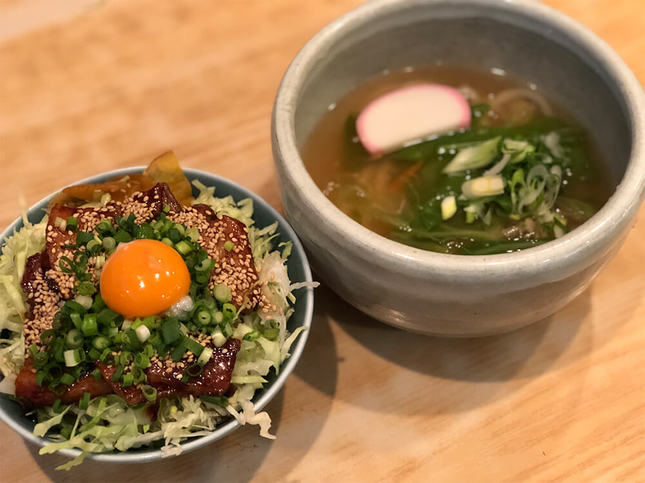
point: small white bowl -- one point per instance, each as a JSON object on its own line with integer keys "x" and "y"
{"x": 452, "y": 294}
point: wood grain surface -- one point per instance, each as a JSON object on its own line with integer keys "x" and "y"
{"x": 114, "y": 83}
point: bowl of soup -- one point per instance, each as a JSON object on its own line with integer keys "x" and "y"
{"x": 459, "y": 167}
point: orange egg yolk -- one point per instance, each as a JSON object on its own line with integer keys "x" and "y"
{"x": 143, "y": 277}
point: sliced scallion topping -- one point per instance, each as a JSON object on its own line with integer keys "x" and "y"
{"x": 183, "y": 247}
{"x": 205, "y": 356}
{"x": 72, "y": 223}
{"x": 149, "y": 392}
{"x": 143, "y": 333}
{"x": 222, "y": 293}
{"x": 203, "y": 317}
{"x": 251, "y": 336}
{"x": 89, "y": 326}
{"x": 100, "y": 342}
{"x": 170, "y": 330}
{"x": 74, "y": 339}
{"x": 109, "y": 243}
{"x": 72, "y": 357}
{"x": 194, "y": 370}
{"x": 67, "y": 379}
{"x": 127, "y": 380}
{"x": 141, "y": 360}
{"x": 193, "y": 346}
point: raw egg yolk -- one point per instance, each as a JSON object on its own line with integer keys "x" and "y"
{"x": 143, "y": 277}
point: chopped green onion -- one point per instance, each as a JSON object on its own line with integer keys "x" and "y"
{"x": 204, "y": 317}
{"x": 85, "y": 289}
{"x": 149, "y": 392}
{"x": 84, "y": 403}
{"x": 125, "y": 358}
{"x": 47, "y": 337}
{"x": 222, "y": 293}
{"x": 74, "y": 339}
{"x": 178, "y": 352}
{"x": 183, "y": 247}
{"x": 251, "y": 336}
{"x": 96, "y": 374}
{"x": 93, "y": 244}
{"x": 228, "y": 245}
{"x": 143, "y": 333}
{"x": 89, "y": 326}
{"x": 122, "y": 236}
{"x": 67, "y": 379}
{"x": 84, "y": 300}
{"x": 72, "y": 357}
{"x": 106, "y": 355}
{"x": 476, "y": 156}
{"x": 33, "y": 349}
{"x": 106, "y": 316}
{"x": 117, "y": 374}
{"x": 72, "y": 223}
{"x": 272, "y": 333}
{"x": 109, "y": 243}
{"x": 105, "y": 226}
{"x": 170, "y": 330}
{"x": 127, "y": 380}
{"x": 193, "y": 346}
{"x": 174, "y": 235}
{"x": 83, "y": 237}
{"x": 75, "y": 307}
{"x": 193, "y": 234}
{"x": 227, "y": 330}
{"x": 93, "y": 354}
{"x": 77, "y": 320}
{"x": 66, "y": 265}
{"x": 141, "y": 360}
{"x": 483, "y": 186}
{"x": 157, "y": 342}
{"x": 149, "y": 350}
{"x": 40, "y": 359}
{"x": 218, "y": 338}
{"x": 194, "y": 370}
{"x": 168, "y": 242}
{"x": 205, "y": 356}
{"x": 218, "y": 317}
{"x": 100, "y": 342}
{"x": 206, "y": 265}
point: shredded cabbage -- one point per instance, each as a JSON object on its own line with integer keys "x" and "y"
{"x": 108, "y": 423}
{"x": 17, "y": 248}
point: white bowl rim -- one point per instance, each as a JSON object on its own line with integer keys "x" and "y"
{"x": 146, "y": 455}
{"x": 556, "y": 257}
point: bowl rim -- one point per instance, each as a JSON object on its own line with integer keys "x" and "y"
{"x": 269, "y": 392}
{"x": 556, "y": 257}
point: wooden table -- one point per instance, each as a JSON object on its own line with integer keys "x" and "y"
{"x": 89, "y": 86}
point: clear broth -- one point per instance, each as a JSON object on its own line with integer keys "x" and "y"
{"x": 369, "y": 192}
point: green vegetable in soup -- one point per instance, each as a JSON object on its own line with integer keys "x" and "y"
{"x": 518, "y": 177}
{"x": 502, "y": 185}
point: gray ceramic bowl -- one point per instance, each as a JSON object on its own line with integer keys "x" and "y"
{"x": 451, "y": 294}
{"x": 298, "y": 267}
